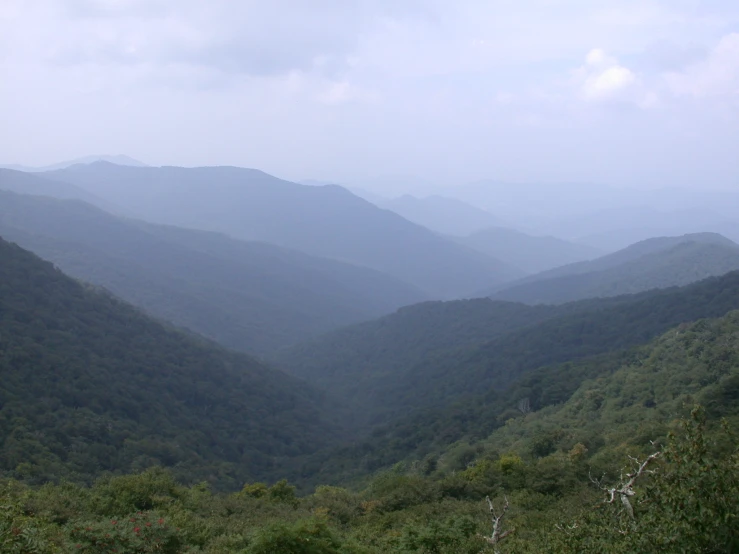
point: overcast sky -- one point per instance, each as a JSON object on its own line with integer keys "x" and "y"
{"x": 631, "y": 92}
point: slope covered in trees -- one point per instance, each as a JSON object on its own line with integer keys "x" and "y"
{"x": 249, "y": 296}
{"x": 326, "y": 221}
{"x": 90, "y": 385}
{"x": 682, "y": 264}
{"x": 541, "y": 483}
{"x": 437, "y": 377}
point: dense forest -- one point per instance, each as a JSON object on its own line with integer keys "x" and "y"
{"x": 395, "y": 380}
{"x": 91, "y": 385}
{"x": 603, "y": 424}
{"x": 627, "y": 464}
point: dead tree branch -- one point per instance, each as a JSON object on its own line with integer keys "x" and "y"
{"x": 626, "y": 488}
{"x": 498, "y": 533}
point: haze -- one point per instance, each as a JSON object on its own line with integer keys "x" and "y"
{"x": 641, "y": 94}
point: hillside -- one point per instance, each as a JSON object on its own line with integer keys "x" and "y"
{"x": 326, "y": 221}
{"x": 396, "y": 384}
{"x": 532, "y": 254}
{"x": 351, "y": 361}
{"x": 639, "y": 400}
{"x": 249, "y": 296}
{"x": 447, "y": 216}
{"x": 684, "y": 263}
{"x": 540, "y": 465}
{"x": 90, "y": 385}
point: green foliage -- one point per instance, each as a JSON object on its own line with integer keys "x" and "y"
{"x": 91, "y": 386}
{"x": 138, "y": 533}
{"x": 687, "y": 505}
{"x": 303, "y": 537}
{"x": 458, "y": 396}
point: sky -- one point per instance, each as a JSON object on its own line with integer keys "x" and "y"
{"x": 637, "y": 93}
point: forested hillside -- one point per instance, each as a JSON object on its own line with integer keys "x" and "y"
{"x": 431, "y": 378}
{"x": 541, "y": 483}
{"x": 91, "y": 386}
{"x": 249, "y": 296}
{"x": 326, "y": 221}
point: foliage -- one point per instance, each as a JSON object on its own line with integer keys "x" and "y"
{"x": 427, "y": 400}
{"x": 92, "y": 386}
{"x": 687, "y": 505}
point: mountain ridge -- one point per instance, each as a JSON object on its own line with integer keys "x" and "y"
{"x": 327, "y": 221}
{"x": 249, "y": 296}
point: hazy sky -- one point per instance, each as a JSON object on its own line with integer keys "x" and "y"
{"x": 633, "y": 92}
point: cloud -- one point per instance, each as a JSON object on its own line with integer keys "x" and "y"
{"x": 716, "y": 75}
{"x": 602, "y": 78}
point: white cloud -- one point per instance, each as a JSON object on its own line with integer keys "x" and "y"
{"x": 603, "y": 78}
{"x": 717, "y": 75}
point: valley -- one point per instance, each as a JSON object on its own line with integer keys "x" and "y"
{"x": 297, "y": 360}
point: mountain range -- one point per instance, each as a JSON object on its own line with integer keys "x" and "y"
{"x": 119, "y": 159}
{"x": 447, "y": 216}
{"x": 532, "y": 254}
{"x": 250, "y": 296}
{"x": 326, "y": 221}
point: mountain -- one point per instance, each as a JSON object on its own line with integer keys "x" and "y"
{"x": 395, "y": 383}
{"x": 325, "y": 221}
{"x": 91, "y": 386}
{"x": 532, "y": 254}
{"x": 26, "y": 183}
{"x": 656, "y": 263}
{"x": 447, "y": 216}
{"x": 617, "y": 228}
{"x": 119, "y": 159}
{"x": 532, "y": 205}
{"x": 248, "y": 296}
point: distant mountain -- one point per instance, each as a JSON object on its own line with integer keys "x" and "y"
{"x": 249, "y": 296}
{"x": 655, "y": 263}
{"x": 119, "y": 159}
{"x": 91, "y": 386}
{"x": 26, "y": 183}
{"x": 616, "y": 228}
{"x": 606, "y": 217}
{"x": 527, "y": 205}
{"x": 324, "y": 221}
{"x": 443, "y": 215}
{"x": 532, "y": 254}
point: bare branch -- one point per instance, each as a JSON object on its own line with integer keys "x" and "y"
{"x": 628, "y": 481}
{"x": 498, "y": 534}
